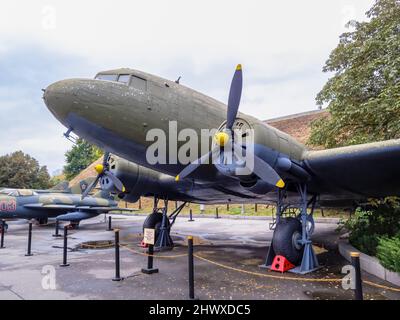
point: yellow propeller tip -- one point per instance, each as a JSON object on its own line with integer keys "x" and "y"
{"x": 177, "y": 178}
{"x": 123, "y": 189}
{"x": 280, "y": 184}
{"x": 239, "y": 67}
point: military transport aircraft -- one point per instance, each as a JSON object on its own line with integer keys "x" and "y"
{"x": 118, "y": 108}
{"x": 64, "y": 205}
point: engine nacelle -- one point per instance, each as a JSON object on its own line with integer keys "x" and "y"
{"x": 257, "y": 187}
{"x": 137, "y": 180}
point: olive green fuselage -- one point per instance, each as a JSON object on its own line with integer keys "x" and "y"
{"x": 118, "y": 116}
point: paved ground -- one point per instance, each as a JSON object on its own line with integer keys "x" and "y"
{"x": 236, "y": 243}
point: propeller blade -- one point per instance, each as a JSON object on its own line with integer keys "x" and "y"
{"x": 267, "y": 173}
{"x": 105, "y": 158}
{"x": 90, "y": 187}
{"x": 191, "y": 167}
{"x": 117, "y": 183}
{"x": 235, "y": 94}
{"x": 262, "y": 169}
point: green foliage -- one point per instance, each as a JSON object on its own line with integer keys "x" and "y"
{"x": 367, "y": 226}
{"x": 363, "y": 96}
{"x": 80, "y": 157}
{"x": 20, "y": 170}
{"x": 388, "y": 252}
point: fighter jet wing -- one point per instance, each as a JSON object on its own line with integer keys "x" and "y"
{"x": 370, "y": 170}
{"x": 94, "y": 208}
{"x": 49, "y": 206}
{"x": 73, "y": 207}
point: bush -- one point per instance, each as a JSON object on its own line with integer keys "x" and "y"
{"x": 368, "y": 225}
{"x": 388, "y": 252}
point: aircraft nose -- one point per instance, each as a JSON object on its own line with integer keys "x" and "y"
{"x": 61, "y": 96}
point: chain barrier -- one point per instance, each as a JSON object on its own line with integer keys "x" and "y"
{"x": 280, "y": 277}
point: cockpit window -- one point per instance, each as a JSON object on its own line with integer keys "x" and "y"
{"x": 108, "y": 77}
{"x": 139, "y": 83}
{"x": 124, "y": 78}
{"x": 4, "y": 192}
{"x": 26, "y": 192}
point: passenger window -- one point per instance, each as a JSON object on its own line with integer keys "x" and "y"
{"x": 139, "y": 83}
{"x": 108, "y": 77}
{"x": 124, "y": 78}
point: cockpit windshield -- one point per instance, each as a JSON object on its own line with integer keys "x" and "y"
{"x": 108, "y": 77}
{"x": 18, "y": 193}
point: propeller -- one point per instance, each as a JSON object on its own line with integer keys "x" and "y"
{"x": 225, "y": 141}
{"x": 103, "y": 170}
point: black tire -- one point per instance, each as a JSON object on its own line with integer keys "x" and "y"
{"x": 153, "y": 221}
{"x": 42, "y": 221}
{"x": 284, "y": 240}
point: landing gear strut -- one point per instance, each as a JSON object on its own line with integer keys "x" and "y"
{"x": 162, "y": 223}
{"x": 292, "y": 235}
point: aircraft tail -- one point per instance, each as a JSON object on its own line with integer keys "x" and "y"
{"x": 62, "y": 186}
{"x": 81, "y": 186}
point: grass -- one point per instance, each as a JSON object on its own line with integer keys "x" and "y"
{"x": 236, "y": 209}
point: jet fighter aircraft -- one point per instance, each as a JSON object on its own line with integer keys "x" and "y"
{"x": 118, "y": 108}
{"x": 65, "y": 205}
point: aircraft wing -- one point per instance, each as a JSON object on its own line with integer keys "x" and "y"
{"x": 67, "y": 207}
{"x": 369, "y": 170}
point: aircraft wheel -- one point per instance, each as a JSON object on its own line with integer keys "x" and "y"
{"x": 42, "y": 221}
{"x": 153, "y": 221}
{"x": 284, "y": 241}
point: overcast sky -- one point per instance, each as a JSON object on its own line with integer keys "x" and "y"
{"x": 282, "y": 46}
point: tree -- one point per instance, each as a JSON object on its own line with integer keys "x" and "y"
{"x": 80, "y": 157}
{"x": 363, "y": 96}
{"x": 20, "y": 170}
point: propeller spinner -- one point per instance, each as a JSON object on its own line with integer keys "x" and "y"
{"x": 224, "y": 139}
{"x": 103, "y": 170}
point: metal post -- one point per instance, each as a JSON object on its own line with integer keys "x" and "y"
{"x": 355, "y": 261}
{"x": 216, "y": 213}
{"x": 150, "y": 268}
{"x": 57, "y": 234}
{"x": 255, "y": 207}
{"x": 109, "y": 224}
{"x": 117, "y": 259}
{"x": 29, "y": 253}
{"x": 190, "y": 215}
{"x": 65, "y": 264}
{"x": 3, "y": 231}
{"x": 191, "y": 267}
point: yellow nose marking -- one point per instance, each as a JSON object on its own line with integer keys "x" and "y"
{"x": 239, "y": 67}
{"x": 221, "y": 138}
{"x": 99, "y": 168}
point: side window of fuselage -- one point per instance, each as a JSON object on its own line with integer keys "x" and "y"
{"x": 139, "y": 83}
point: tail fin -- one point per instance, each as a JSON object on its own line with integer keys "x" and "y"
{"x": 81, "y": 186}
{"x": 62, "y": 186}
